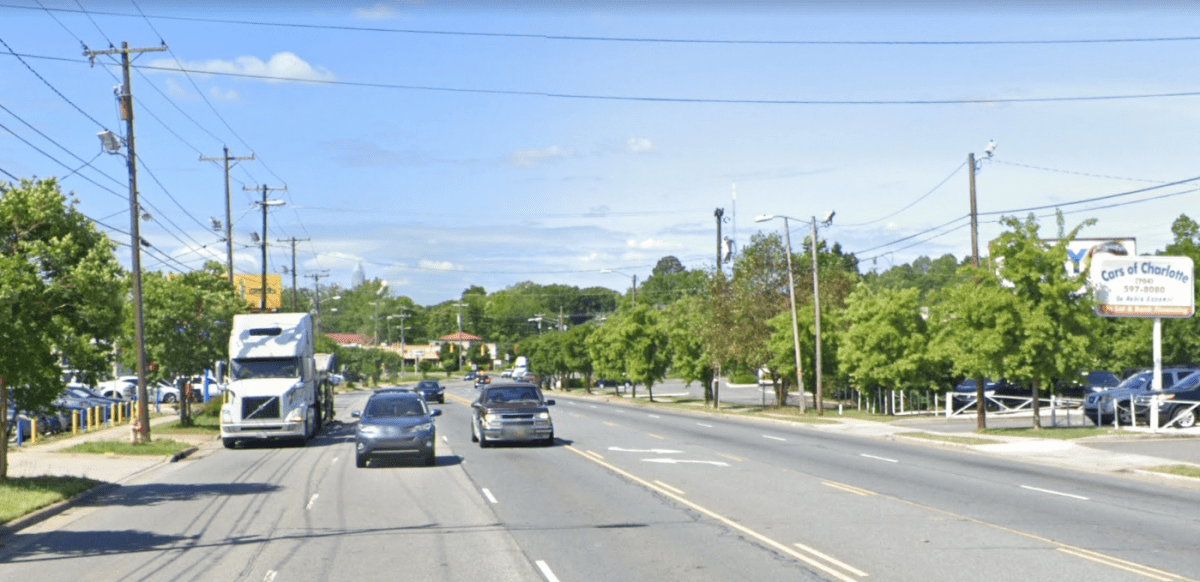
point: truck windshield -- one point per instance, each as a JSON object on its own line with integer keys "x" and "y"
{"x": 266, "y": 368}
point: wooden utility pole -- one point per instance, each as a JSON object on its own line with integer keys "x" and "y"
{"x": 262, "y": 301}
{"x": 974, "y": 213}
{"x": 125, "y": 96}
{"x": 293, "y": 240}
{"x": 228, "y": 208}
{"x": 316, "y": 277}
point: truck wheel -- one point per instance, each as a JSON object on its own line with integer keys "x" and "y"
{"x": 229, "y": 443}
{"x": 360, "y": 461}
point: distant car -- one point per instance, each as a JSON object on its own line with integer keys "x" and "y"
{"x": 511, "y": 412}
{"x": 470, "y": 376}
{"x": 606, "y": 383}
{"x": 431, "y": 390}
{"x": 395, "y": 424}
{"x": 482, "y": 380}
{"x": 506, "y": 374}
{"x": 1100, "y": 407}
{"x": 1087, "y": 383}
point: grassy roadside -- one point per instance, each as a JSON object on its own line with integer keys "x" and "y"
{"x": 970, "y": 441}
{"x": 1055, "y": 432}
{"x": 160, "y": 447}
{"x": 1179, "y": 470}
{"x": 21, "y": 496}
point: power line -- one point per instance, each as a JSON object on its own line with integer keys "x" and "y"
{"x": 52, "y": 87}
{"x": 618, "y": 39}
{"x": 914, "y": 202}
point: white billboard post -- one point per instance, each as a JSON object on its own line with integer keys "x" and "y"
{"x": 1146, "y": 287}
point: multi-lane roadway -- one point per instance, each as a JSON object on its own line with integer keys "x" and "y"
{"x": 626, "y": 493}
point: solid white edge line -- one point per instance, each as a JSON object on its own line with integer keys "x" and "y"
{"x": 550, "y": 577}
{"x": 1080, "y": 497}
{"x": 653, "y": 416}
{"x": 491, "y": 498}
{"x": 879, "y": 458}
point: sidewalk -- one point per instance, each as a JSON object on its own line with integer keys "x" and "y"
{"x": 48, "y": 459}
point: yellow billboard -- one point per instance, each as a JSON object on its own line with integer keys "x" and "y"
{"x": 250, "y": 288}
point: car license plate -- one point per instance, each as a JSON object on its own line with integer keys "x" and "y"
{"x": 519, "y": 432}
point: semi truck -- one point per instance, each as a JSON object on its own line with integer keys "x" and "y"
{"x": 274, "y": 389}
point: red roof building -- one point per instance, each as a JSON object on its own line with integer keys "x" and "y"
{"x": 353, "y": 340}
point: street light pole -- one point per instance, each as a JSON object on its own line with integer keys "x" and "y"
{"x": 792, "y": 300}
{"x": 632, "y": 290}
{"x": 818, "y": 402}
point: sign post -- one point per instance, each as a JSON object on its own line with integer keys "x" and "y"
{"x": 1146, "y": 287}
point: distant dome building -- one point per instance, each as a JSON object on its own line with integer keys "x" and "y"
{"x": 358, "y": 278}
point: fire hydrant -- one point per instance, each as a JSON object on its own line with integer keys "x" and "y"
{"x": 135, "y": 429}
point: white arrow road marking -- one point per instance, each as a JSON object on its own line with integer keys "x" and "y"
{"x": 270, "y": 576}
{"x": 655, "y": 451}
{"x": 312, "y": 501}
{"x": 673, "y": 461}
{"x": 1055, "y": 493}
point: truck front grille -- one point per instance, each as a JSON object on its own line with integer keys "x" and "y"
{"x": 260, "y": 407}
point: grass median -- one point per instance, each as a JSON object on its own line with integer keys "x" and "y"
{"x": 21, "y": 496}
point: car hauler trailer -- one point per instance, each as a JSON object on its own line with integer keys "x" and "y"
{"x": 274, "y": 387}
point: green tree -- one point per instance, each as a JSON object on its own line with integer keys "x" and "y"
{"x": 60, "y": 296}
{"x": 886, "y": 342}
{"x": 632, "y": 343}
{"x": 1055, "y": 336}
{"x": 188, "y": 319}
{"x": 975, "y": 325}
{"x": 684, "y": 323}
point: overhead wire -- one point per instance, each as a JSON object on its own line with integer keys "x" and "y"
{"x": 656, "y": 40}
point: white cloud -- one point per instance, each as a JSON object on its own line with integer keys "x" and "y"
{"x": 653, "y": 244}
{"x": 534, "y": 158}
{"x": 380, "y": 11}
{"x": 230, "y": 96}
{"x": 436, "y": 265}
{"x": 593, "y": 257}
{"x": 638, "y": 145}
{"x": 280, "y": 68}
{"x": 177, "y": 92}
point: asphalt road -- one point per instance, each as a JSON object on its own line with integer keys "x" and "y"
{"x": 625, "y": 494}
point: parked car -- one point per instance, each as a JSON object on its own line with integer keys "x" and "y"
{"x": 1101, "y": 407}
{"x": 606, "y": 383}
{"x": 431, "y": 390}
{"x": 1179, "y": 404}
{"x": 965, "y": 392}
{"x": 511, "y": 412}
{"x": 83, "y": 397}
{"x": 1087, "y": 383}
{"x": 470, "y": 376}
{"x": 395, "y": 423}
{"x": 506, "y": 374}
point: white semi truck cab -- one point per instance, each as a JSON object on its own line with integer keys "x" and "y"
{"x": 273, "y": 390}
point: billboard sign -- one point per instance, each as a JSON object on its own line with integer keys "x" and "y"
{"x": 1145, "y": 287}
{"x": 250, "y": 288}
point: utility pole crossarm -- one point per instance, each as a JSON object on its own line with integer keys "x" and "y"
{"x": 262, "y": 302}
{"x": 228, "y": 207}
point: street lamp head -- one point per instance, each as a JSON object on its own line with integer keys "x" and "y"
{"x": 828, "y": 218}
{"x": 605, "y": 271}
{"x": 110, "y": 141}
{"x": 273, "y": 203}
{"x": 763, "y": 217}
{"x": 382, "y": 288}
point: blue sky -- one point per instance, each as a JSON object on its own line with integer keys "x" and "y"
{"x": 525, "y": 151}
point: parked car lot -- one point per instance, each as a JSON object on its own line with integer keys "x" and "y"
{"x": 1087, "y": 383}
{"x": 1101, "y": 407}
{"x": 1178, "y": 405}
{"x": 514, "y": 412}
{"x": 395, "y": 424}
